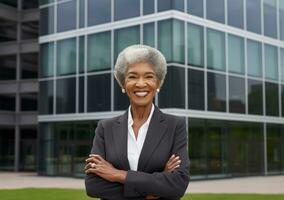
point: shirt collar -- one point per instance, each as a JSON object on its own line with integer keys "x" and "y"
{"x": 130, "y": 119}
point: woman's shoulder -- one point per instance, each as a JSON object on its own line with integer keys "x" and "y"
{"x": 112, "y": 120}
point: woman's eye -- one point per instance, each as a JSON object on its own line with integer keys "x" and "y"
{"x": 131, "y": 77}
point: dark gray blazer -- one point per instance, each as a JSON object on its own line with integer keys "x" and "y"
{"x": 166, "y": 135}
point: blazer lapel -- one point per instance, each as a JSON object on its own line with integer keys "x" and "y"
{"x": 156, "y": 130}
{"x": 120, "y": 132}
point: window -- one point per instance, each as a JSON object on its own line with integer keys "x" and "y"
{"x": 121, "y": 101}
{"x": 8, "y": 67}
{"x": 7, "y": 148}
{"x": 29, "y": 65}
{"x": 46, "y": 97}
{"x": 171, "y": 40}
{"x": 254, "y": 58}
{"x": 172, "y": 94}
{"x": 269, "y": 19}
{"x": 195, "y": 52}
{"x": 255, "y": 97}
{"x": 29, "y": 30}
{"x": 282, "y": 63}
{"x": 81, "y": 94}
{"x": 149, "y": 34}
{"x": 236, "y": 54}
{"x": 66, "y": 16}
{"x": 216, "y": 97}
{"x": 99, "y": 51}
{"x": 41, "y": 2}
{"x": 216, "y": 50}
{"x": 66, "y": 56}
{"x": 132, "y": 6}
{"x": 281, "y": 20}
{"x": 7, "y": 103}
{"x": 29, "y": 102}
{"x": 81, "y": 54}
{"x": 271, "y": 99}
{"x": 99, "y": 11}
{"x": 271, "y": 62}
{"x": 125, "y": 37}
{"x": 29, "y": 4}
{"x": 215, "y": 10}
{"x": 82, "y": 13}
{"x": 195, "y": 7}
{"x": 237, "y": 97}
{"x": 164, "y": 5}
{"x": 195, "y": 89}
{"x": 46, "y": 59}
{"x": 98, "y": 93}
{"x": 253, "y": 15}
{"x": 236, "y": 13}
{"x": 47, "y": 20}
{"x": 148, "y": 7}
{"x": 65, "y": 95}
{"x": 282, "y": 98}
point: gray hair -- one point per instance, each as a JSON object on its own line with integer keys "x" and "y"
{"x": 140, "y": 53}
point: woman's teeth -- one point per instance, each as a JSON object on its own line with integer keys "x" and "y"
{"x": 141, "y": 94}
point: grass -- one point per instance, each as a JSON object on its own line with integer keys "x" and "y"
{"x": 76, "y": 194}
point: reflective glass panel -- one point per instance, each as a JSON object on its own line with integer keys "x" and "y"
{"x": 98, "y": 95}
{"x": 271, "y": 99}
{"x": 236, "y": 13}
{"x": 195, "y": 7}
{"x": 8, "y": 66}
{"x": 81, "y": 54}
{"x": 281, "y": 20}
{"x": 120, "y": 12}
{"x": 275, "y": 150}
{"x": 7, "y": 102}
{"x": 65, "y": 95}
{"x": 237, "y": 97}
{"x": 282, "y": 63}
{"x": 195, "y": 52}
{"x": 253, "y": 15}
{"x": 216, "y": 97}
{"x": 125, "y": 37}
{"x": 236, "y": 54}
{"x": 215, "y": 10}
{"x": 28, "y": 102}
{"x": 121, "y": 100}
{"x": 29, "y": 65}
{"x": 47, "y": 20}
{"x": 171, "y": 40}
{"x": 269, "y": 19}
{"x": 216, "y": 50}
{"x": 172, "y": 94}
{"x": 66, "y": 56}
{"x": 164, "y": 5}
{"x": 7, "y": 148}
{"x": 46, "y": 59}
{"x": 282, "y": 99}
{"x": 271, "y": 62}
{"x": 148, "y": 7}
{"x": 81, "y": 94}
{"x": 66, "y": 16}
{"x": 195, "y": 89}
{"x": 255, "y": 97}
{"x": 149, "y": 34}
{"x": 254, "y": 58}
{"x": 99, "y": 11}
{"x": 81, "y": 13}
{"x": 99, "y": 51}
{"x": 46, "y": 97}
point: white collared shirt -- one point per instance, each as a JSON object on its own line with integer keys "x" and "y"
{"x": 134, "y": 146}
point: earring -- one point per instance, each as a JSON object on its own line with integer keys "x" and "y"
{"x": 123, "y": 90}
{"x": 158, "y": 90}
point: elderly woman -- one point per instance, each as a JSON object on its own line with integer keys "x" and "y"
{"x": 141, "y": 154}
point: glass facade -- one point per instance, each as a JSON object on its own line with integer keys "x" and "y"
{"x": 225, "y": 61}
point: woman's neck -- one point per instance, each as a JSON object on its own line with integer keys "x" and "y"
{"x": 140, "y": 113}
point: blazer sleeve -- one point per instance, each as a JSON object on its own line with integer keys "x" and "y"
{"x": 95, "y": 185}
{"x": 163, "y": 184}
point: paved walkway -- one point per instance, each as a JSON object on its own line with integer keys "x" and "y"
{"x": 260, "y": 185}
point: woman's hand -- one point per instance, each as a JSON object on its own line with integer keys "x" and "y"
{"x": 99, "y": 166}
{"x": 173, "y": 163}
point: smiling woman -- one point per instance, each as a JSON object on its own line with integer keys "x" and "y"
{"x": 141, "y": 154}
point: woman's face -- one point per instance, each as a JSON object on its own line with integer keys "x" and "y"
{"x": 141, "y": 83}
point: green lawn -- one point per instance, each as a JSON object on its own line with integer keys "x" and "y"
{"x": 71, "y": 194}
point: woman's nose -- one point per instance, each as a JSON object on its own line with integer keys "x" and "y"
{"x": 141, "y": 82}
